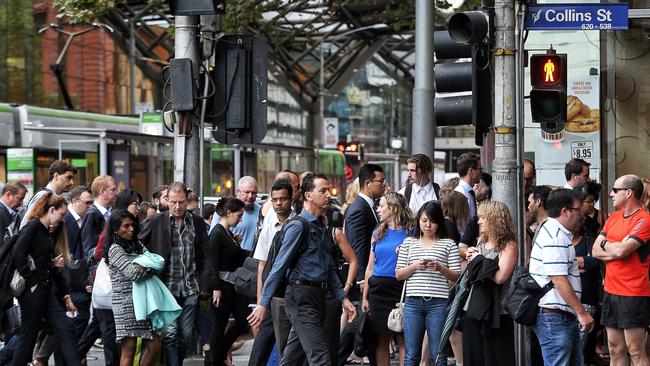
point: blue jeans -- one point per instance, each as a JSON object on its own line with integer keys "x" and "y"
{"x": 179, "y": 333}
{"x": 559, "y": 339}
{"x": 421, "y": 313}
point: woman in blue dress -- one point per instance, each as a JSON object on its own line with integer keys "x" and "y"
{"x": 381, "y": 290}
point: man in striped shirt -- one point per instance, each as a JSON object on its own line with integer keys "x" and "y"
{"x": 553, "y": 258}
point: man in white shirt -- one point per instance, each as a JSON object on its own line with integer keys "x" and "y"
{"x": 561, "y": 316}
{"x": 469, "y": 170}
{"x": 576, "y": 172}
{"x": 276, "y": 326}
{"x": 420, "y": 187}
{"x": 61, "y": 178}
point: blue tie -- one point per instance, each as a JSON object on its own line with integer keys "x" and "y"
{"x": 107, "y": 214}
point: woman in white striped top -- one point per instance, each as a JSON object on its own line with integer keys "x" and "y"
{"x": 428, "y": 262}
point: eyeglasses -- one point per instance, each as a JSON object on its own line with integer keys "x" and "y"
{"x": 87, "y": 203}
{"x": 381, "y": 181}
{"x": 280, "y": 199}
{"x": 615, "y": 190}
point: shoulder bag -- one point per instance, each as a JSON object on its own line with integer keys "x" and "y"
{"x": 396, "y": 316}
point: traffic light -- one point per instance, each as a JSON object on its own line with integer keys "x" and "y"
{"x": 353, "y": 149}
{"x": 464, "y": 87}
{"x": 240, "y": 90}
{"x": 548, "y": 77}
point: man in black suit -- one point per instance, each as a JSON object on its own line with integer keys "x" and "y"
{"x": 94, "y": 220}
{"x": 12, "y": 198}
{"x": 178, "y": 236}
{"x": 360, "y": 221}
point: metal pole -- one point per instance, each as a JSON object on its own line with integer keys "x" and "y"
{"x": 186, "y": 155}
{"x": 321, "y": 98}
{"x": 423, "y": 92}
{"x": 132, "y": 55}
{"x": 103, "y": 154}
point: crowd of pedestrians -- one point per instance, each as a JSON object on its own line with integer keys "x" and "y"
{"x": 377, "y": 277}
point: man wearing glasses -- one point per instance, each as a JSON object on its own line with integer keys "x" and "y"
{"x": 247, "y": 227}
{"x": 576, "y": 172}
{"x": 623, "y": 246}
{"x": 561, "y": 316}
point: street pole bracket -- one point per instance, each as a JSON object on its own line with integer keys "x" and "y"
{"x": 503, "y": 130}
{"x": 504, "y": 51}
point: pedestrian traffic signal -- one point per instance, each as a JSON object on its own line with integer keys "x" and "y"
{"x": 351, "y": 149}
{"x": 548, "y": 78}
{"x": 469, "y": 37}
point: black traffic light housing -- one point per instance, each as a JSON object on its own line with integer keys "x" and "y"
{"x": 240, "y": 80}
{"x": 469, "y": 36}
{"x": 548, "y": 78}
{"x": 197, "y": 7}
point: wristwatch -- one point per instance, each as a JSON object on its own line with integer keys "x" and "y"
{"x": 602, "y": 244}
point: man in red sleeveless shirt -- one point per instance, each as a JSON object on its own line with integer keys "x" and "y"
{"x": 623, "y": 246}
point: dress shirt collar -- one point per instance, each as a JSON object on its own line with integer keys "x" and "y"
{"x": 11, "y": 211}
{"x": 567, "y": 186}
{"x": 427, "y": 188}
{"x": 74, "y": 213}
{"x": 368, "y": 200}
{"x": 103, "y": 210}
{"x": 465, "y": 186}
{"x": 50, "y": 187}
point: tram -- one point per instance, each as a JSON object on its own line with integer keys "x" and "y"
{"x": 103, "y": 144}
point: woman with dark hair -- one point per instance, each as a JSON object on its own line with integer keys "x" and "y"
{"x": 124, "y": 247}
{"x": 128, "y": 199}
{"x": 491, "y": 342}
{"x": 594, "y": 219}
{"x": 381, "y": 290}
{"x": 456, "y": 214}
{"x": 147, "y": 210}
{"x": 427, "y": 263}
{"x": 40, "y": 254}
{"x": 224, "y": 256}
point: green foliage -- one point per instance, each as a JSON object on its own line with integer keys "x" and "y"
{"x": 86, "y": 11}
{"x": 244, "y": 15}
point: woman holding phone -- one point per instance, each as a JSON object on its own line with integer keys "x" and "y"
{"x": 428, "y": 262}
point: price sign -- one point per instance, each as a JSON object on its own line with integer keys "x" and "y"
{"x": 582, "y": 150}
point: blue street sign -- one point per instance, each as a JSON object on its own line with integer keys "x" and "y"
{"x": 610, "y": 16}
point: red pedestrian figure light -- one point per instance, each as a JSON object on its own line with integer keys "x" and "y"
{"x": 549, "y": 69}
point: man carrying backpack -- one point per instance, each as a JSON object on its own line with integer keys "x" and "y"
{"x": 311, "y": 272}
{"x": 275, "y": 327}
{"x": 420, "y": 187}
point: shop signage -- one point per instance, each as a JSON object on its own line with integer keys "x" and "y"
{"x": 20, "y": 168}
{"x": 612, "y": 16}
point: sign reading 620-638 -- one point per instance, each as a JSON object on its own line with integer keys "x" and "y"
{"x": 607, "y": 16}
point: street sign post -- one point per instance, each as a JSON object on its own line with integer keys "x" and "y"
{"x": 608, "y": 16}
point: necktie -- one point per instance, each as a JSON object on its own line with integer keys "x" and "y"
{"x": 472, "y": 202}
{"x": 107, "y": 214}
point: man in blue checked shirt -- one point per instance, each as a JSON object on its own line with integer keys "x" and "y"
{"x": 311, "y": 272}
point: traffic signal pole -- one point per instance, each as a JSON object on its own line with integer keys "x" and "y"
{"x": 186, "y": 132}
{"x": 423, "y": 122}
{"x": 508, "y": 161}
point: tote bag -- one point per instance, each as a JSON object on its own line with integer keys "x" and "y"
{"x": 102, "y": 288}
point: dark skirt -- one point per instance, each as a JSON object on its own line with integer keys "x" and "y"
{"x": 383, "y": 294}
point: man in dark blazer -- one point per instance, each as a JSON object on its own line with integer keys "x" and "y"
{"x": 360, "y": 221}
{"x": 179, "y": 236}
{"x": 11, "y": 198}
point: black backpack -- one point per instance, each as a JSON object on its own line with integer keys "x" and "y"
{"x": 275, "y": 249}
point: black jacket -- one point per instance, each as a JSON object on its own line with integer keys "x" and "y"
{"x": 156, "y": 235}
{"x": 485, "y": 302}
{"x": 92, "y": 225}
{"x": 360, "y": 222}
{"x": 5, "y": 221}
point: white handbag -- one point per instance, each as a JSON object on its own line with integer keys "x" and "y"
{"x": 396, "y": 316}
{"x": 102, "y": 288}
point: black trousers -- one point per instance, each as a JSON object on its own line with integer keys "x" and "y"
{"x": 36, "y": 305}
{"x": 305, "y": 308}
{"x": 346, "y": 341}
{"x": 263, "y": 344}
{"x": 485, "y": 346}
{"x": 101, "y": 325}
{"x": 221, "y": 340}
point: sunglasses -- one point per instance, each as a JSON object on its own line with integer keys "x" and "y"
{"x": 615, "y": 190}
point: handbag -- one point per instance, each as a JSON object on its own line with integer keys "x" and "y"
{"x": 102, "y": 289}
{"x": 396, "y": 316}
{"x": 18, "y": 282}
{"x": 363, "y": 336}
{"x": 522, "y": 298}
{"x": 246, "y": 279}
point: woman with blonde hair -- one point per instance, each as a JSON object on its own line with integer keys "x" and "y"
{"x": 491, "y": 343}
{"x": 40, "y": 253}
{"x": 381, "y": 290}
{"x": 351, "y": 194}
